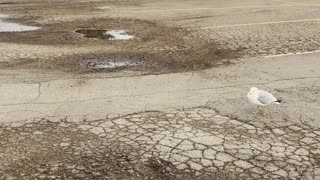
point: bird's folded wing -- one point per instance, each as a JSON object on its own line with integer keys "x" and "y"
{"x": 265, "y": 97}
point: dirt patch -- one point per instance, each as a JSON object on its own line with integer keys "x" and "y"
{"x": 149, "y": 63}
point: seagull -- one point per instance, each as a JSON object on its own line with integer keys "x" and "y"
{"x": 261, "y": 98}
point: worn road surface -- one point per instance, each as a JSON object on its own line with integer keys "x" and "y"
{"x": 184, "y": 114}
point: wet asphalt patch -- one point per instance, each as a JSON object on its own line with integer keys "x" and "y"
{"x": 14, "y": 27}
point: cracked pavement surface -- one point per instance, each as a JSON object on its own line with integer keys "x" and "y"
{"x": 188, "y": 125}
{"x": 196, "y": 141}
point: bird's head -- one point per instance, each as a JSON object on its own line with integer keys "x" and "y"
{"x": 253, "y": 89}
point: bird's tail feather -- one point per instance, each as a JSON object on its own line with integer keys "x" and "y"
{"x": 278, "y": 101}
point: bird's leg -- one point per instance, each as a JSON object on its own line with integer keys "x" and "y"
{"x": 256, "y": 111}
{"x": 270, "y": 112}
{"x": 265, "y": 111}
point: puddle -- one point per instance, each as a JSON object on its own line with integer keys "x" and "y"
{"x": 108, "y": 64}
{"x": 119, "y": 35}
{"x": 113, "y": 35}
{"x": 3, "y": 16}
{"x": 14, "y": 27}
{"x": 88, "y": 33}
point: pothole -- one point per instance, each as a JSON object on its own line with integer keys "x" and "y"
{"x": 109, "y": 63}
{"x": 105, "y": 34}
{"x": 14, "y": 27}
{"x": 6, "y": 3}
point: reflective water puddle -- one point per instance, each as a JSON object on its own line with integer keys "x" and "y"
{"x": 119, "y": 35}
{"x": 108, "y": 64}
{"x": 14, "y": 27}
{"x": 113, "y": 35}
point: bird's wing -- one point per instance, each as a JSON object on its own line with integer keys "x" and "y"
{"x": 265, "y": 97}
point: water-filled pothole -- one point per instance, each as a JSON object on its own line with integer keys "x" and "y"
{"x": 6, "y": 3}
{"x": 14, "y": 27}
{"x": 109, "y": 63}
{"x": 105, "y": 34}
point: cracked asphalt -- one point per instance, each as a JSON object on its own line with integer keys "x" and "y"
{"x": 196, "y": 141}
{"x": 192, "y": 123}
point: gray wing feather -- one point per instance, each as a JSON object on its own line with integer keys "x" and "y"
{"x": 265, "y": 97}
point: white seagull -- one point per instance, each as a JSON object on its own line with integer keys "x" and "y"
{"x": 261, "y": 98}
